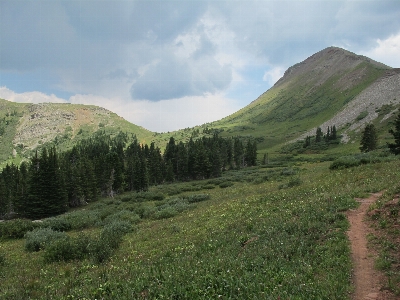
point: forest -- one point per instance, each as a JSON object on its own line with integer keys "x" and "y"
{"x": 51, "y": 182}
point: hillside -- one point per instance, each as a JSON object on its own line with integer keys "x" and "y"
{"x": 23, "y": 127}
{"x": 276, "y": 230}
{"x": 332, "y": 87}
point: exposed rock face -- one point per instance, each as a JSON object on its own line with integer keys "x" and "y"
{"x": 386, "y": 90}
{"x": 45, "y": 121}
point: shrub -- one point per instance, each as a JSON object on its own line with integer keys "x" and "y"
{"x": 40, "y": 238}
{"x": 60, "y": 250}
{"x": 82, "y": 219}
{"x": 123, "y": 215}
{"x": 155, "y": 196}
{"x": 16, "y": 229}
{"x": 208, "y": 187}
{"x": 66, "y": 249}
{"x": 57, "y": 224}
{"x": 110, "y": 238}
{"x": 144, "y": 210}
{"x": 165, "y": 213}
{"x": 225, "y": 184}
{"x": 100, "y": 251}
{"x": 171, "y": 208}
{"x": 288, "y": 172}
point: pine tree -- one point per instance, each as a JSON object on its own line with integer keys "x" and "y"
{"x": 328, "y": 134}
{"x": 3, "y": 197}
{"x": 46, "y": 190}
{"x": 238, "y": 152}
{"x": 395, "y": 147}
{"x": 318, "y": 135}
{"x": 369, "y": 138}
{"x": 334, "y": 133}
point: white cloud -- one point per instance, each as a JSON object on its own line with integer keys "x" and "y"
{"x": 273, "y": 75}
{"x": 28, "y": 97}
{"x": 386, "y": 51}
{"x": 166, "y": 115}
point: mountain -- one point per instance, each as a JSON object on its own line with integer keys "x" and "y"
{"x": 331, "y": 87}
{"x": 23, "y": 126}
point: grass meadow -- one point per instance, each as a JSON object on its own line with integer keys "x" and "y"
{"x": 258, "y": 233}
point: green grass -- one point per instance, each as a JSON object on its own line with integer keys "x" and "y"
{"x": 246, "y": 241}
{"x": 384, "y": 217}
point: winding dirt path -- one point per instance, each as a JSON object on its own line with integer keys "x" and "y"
{"x": 367, "y": 281}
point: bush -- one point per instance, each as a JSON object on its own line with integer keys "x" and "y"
{"x": 82, "y": 219}
{"x": 225, "y": 184}
{"x": 67, "y": 248}
{"x": 208, "y": 187}
{"x": 57, "y": 224}
{"x": 113, "y": 233}
{"x": 165, "y": 213}
{"x": 171, "y": 208}
{"x": 60, "y": 250}
{"x": 100, "y": 251}
{"x": 110, "y": 238}
{"x": 288, "y": 172}
{"x": 40, "y": 238}
{"x": 123, "y": 215}
{"x": 16, "y": 229}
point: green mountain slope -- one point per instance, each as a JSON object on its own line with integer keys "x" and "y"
{"x": 24, "y": 127}
{"x": 332, "y": 87}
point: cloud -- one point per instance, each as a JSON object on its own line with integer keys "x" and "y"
{"x": 28, "y": 97}
{"x": 139, "y": 51}
{"x": 163, "y": 116}
{"x": 386, "y": 51}
{"x": 173, "y": 78}
{"x": 273, "y": 75}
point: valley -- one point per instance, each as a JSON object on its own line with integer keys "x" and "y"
{"x": 239, "y": 208}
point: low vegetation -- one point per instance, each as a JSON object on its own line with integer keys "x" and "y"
{"x": 282, "y": 237}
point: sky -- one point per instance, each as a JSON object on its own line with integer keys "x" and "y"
{"x": 167, "y": 65}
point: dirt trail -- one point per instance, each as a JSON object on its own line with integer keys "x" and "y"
{"x": 366, "y": 279}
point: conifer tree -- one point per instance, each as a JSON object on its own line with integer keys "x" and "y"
{"x": 318, "y": 135}
{"x": 238, "y": 152}
{"x": 395, "y": 147}
{"x": 333, "y": 133}
{"x": 3, "y": 197}
{"x": 328, "y": 134}
{"x": 369, "y": 138}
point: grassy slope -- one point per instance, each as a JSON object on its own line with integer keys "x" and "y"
{"x": 296, "y": 243}
{"x": 285, "y": 112}
{"x": 86, "y": 120}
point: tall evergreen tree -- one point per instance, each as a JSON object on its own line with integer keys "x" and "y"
{"x": 238, "y": 152}
{"x": 46, "y": 191}
{"x": 395, "y": 147}
{"x": 3, "y": 197}
{"x": 334, "y": 133}
{"x": 318, "y": 135}
{"x": 369, "y": 138}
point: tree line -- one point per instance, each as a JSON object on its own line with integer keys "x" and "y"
{"x": 51, "y": 182}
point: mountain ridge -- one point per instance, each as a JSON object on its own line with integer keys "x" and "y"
{"x": 331, "y": 87}
{"x": 312, "y": 93}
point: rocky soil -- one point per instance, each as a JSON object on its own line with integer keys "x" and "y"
{"x": 43, "y": 122}
{"x": 386, "y": 90}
